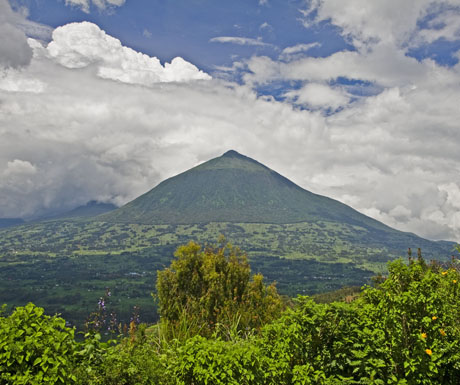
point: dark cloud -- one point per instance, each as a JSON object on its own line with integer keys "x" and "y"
{"x": 14, "y": 50}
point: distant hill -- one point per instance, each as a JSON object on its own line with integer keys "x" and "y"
{"x": 91, "y": 209}
{"x": 8, "y": 222}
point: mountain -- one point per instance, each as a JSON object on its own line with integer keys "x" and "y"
{"x": 234, "y": 188}
{"x": 91, "y": 209}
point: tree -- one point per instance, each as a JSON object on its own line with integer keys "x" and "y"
{"x": 204, "y": 290}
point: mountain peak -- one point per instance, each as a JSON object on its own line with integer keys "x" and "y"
{"x": 233, "y": 154}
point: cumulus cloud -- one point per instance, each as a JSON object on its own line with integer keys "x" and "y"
{"x": 384, "y": 65}
{"x": 85, "y": 5}
{"x": 265, "y": 26}
{"x": 80, "y": 45}
{"x": 238, "y": 40}
{"x": 443, "y": 23}
{"x": 92, "y": 138}
{"x": 14, "y": 50}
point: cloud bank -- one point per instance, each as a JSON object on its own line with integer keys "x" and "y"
{"x": 89, "y": 119}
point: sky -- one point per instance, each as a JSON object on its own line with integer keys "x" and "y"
{"x": 357, "y": 100}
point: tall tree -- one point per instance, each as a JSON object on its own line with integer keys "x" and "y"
{"x": 205, "y": 289}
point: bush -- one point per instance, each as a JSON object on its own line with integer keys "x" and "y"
{"x": 35, "y": 348}
{"x": 135, "y": 360}
{"x": 202, "y": 361}
{"x": 404, "y": 331}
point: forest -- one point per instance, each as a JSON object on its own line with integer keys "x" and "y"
{"x": 220, "y": 324}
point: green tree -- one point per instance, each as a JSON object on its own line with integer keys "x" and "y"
{"x": 212, "y": 288}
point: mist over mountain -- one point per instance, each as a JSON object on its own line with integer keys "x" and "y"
{"x": 89, "y": 210}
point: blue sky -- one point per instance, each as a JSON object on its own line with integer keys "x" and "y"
{"x": 356, "y": 100}
{"x": 167, "y": 29}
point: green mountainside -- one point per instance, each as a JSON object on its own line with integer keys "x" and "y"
{"x": 305, "y": 242}
{"x": 234, "y": 188}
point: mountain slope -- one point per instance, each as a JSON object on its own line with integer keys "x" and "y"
{"x": 233, "y": 188}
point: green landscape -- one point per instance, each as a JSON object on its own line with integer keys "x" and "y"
{"x": 226, "y": 274}
{"x": 304, "y": 242}
{"x": 221, "y": 326}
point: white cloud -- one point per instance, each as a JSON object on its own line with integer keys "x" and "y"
{"x": 299, "y": 48}
{"x": 238, "y": 40}
{"x": 85, "y": 5}
{"x": 80, "y": 45}
{"x": 445, "y": 24}
{"x": 384, "y": 65}
{"x": 94, "y": 138}
{"x": 263, "y": 2}
{"x": 266, "y": 26}
{"x": 318, "y": 95}
{"x": 19, "y": 167}
{"x": 390, "y": 22}
{"x": 146, "y": 33}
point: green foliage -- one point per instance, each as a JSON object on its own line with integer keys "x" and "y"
{"x": 404, "y": 331}
{"x": 203, "y": 289}
{"x": 35, "y": 348}
{"x": 410, "y": 322}
{"x": 202, "y": 361}
{"x": 134, "y": 360}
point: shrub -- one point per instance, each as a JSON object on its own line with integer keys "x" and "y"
{"x": 202, "y": 361}
{"x": 35, "y": 348}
